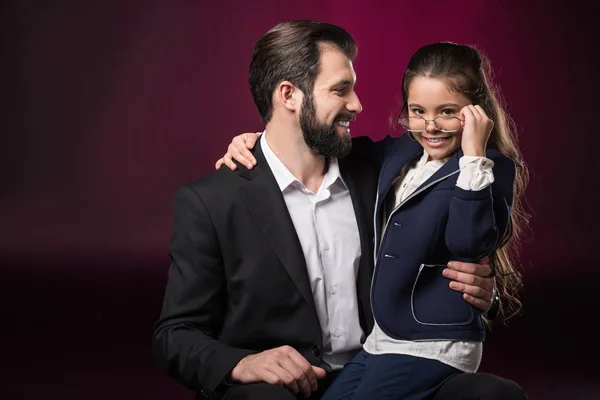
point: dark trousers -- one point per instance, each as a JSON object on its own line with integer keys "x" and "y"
{"x": 389, "y": 377}
{"x": 264, "y": 391}
{"x": 478, "y": 386}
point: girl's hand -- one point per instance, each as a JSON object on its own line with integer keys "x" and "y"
{"x": 476, "y": 130}
{"x": 238, "y": 150}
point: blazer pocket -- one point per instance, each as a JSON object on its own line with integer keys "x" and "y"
{"x": 434, "y": 303}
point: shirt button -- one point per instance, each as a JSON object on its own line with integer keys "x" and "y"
{"x": 337, "y": 333}
{"x": 326, "y": 247}
{"x": 332, "y": 289}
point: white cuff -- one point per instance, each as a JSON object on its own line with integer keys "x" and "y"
{"x": 475, "y": 173}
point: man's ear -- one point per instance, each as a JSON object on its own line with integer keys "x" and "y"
{"x": 289, "y": 96}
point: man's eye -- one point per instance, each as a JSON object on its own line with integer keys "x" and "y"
{"x": 341, "y": 91}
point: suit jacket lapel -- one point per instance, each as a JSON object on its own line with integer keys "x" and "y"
{"x": 266, "y": 204}
{"x": 362, "y": 202}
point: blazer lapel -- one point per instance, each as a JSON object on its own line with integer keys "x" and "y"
{"x": 391, "y": 168}
{"x": 393, "y": 164}
{"x": 266, "y": 204}
{"x": 450, "y": 167}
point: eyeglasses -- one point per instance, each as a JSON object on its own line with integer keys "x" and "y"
{"x": 442, "y": 123}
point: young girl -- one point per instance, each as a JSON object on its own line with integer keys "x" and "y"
{"x": 448, "y": 190}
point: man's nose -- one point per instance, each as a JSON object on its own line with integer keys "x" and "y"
{"x": 354, "y": 104}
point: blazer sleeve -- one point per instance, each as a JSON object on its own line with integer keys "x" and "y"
{"x": 375, "y": 151}
{"x": 478, "y": 220}
{"x": 185, "y": 344}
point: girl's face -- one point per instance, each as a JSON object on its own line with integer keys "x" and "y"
{"x": 430, "y": 98}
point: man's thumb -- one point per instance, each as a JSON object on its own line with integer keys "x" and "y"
{"x": 319, "y": 372}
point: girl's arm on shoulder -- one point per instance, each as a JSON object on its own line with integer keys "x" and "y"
{"x": 376, "y": 150}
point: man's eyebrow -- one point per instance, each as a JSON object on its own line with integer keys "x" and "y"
{"x": 343, "y": 82}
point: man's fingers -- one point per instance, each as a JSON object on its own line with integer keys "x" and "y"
{"x": 305, "y": 367}
{"x": 297, "y": 374}
{"x": 470, "y": 279}
{"x": 282, "y": 366}
{"x": 483, "y": 305}
{"x": 475, "y": 295}
{"x": 286, "y": 378}
{"x": 319, "y": 372}
{"x": 486, "y": 284}
{"x": 474, "y": 291}
{"x": 308, "y": 379}
{"x": 271, "y": 378}
{"x": 219, "y": 163}
{"x": 462, "y": 277}
{"x": 470, "y": 268}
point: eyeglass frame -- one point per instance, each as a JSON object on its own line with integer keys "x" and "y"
{"x": 427, "y": 121}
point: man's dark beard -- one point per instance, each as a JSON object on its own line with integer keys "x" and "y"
{"x": 322, "y": 138}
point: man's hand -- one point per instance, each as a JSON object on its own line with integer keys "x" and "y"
{"x": 282, "y": 366}
{"x": 473, "y": 281}
{"x": 239, "y": 149}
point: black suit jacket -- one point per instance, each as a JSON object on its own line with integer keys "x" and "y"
{"x": 238, "y": 282}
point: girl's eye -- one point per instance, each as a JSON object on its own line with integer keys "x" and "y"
{"x": 417, "y": 111}
{"x": 448, "y": 111}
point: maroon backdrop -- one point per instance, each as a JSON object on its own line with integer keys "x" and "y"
{"x": 110, "y": 106}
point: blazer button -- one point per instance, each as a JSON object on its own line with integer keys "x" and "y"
{"x": 316, "y": 350}
{"x": 202, "y": 394}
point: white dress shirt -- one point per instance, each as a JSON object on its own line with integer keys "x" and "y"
{"x": 475, "y": 174}
{"x": 328, "y": 232}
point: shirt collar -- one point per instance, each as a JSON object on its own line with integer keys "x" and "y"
{"x": 433, "y": 163}
{"x": 285, "y": 178}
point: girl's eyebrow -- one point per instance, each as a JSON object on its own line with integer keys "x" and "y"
{"x": 449, "y": 105}
{"x": 441, "y": 106}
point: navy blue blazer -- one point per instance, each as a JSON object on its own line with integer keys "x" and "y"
{"x": 437, "y": 223}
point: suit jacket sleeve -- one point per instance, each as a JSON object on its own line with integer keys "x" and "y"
{"x": 185, "y": 336}
{"x": 478, "y": 219}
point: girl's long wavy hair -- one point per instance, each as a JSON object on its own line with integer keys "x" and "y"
{"x": 467, "y": 71}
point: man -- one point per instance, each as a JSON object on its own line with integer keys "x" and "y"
{"x": 268, "y": 291}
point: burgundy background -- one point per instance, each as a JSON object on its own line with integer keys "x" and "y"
{"x": 108, "y": 107}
